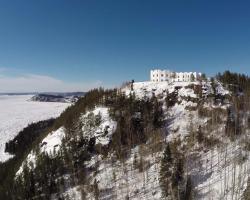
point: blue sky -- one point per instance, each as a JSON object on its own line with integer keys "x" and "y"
{"x": 77, "y": 45}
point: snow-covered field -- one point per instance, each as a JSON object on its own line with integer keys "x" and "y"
{"x": 16, "y": 112}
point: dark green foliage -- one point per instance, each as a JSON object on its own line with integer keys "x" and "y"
{"x": 213, "y": 86}
{"x": 96, "y": 190}
{"x": 132, "y": 85}
{"x": 199, "y": 135}
{"x": 232, "y": 125}
{"x": 248, "y": 122}
{"x": 172, "y": 173}
{"x": 165, "y": 171}
{"x": 21, "y": 145}
{"x": 236, "y": 82}
{"x": 42, "y": 181}
{"x": 192, "y": 78}
{"x": 198, "y": 90}
{"x": 168, "y": 155}
{"x": 72, "y": 113}
{"x": 172, "y": 99}
{"x": 177, "y": 176}
{"x": 136, "y": 120}
{"x": 25, "y": 137}
{"x": 48, "y": 175}
{"x": 203, "y": 77}
{"x": 189, "y": 189}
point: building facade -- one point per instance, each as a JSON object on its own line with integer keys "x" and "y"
{"x": 158, "y": 75}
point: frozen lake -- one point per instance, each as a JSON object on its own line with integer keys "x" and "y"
{"x": 16, "y": 112}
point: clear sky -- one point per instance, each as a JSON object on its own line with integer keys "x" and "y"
{"x": 48, "y": 45}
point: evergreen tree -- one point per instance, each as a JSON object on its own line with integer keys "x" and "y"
{"x": 96, "y": 190}
{"x": 189, "y": 189}
{"x": 192, "y": 78}
{"x": 200, "y": 136}
{"x": 165, "y": 171}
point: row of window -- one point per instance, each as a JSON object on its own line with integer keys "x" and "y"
{"x": 178, "y": 79}
{"x": 162, "y": 75}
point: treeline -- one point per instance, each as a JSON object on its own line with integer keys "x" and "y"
{"x": 235, "y": 81}
{"x": 88, "y": 102}
{"x": 175, "y": 184}
{"x": 53, "y": 175}
{"x": 237, "y": 115}
{"x": 136, "y": 120}
{"x": 28, "y": 135}
{"x": 20, "y": 146}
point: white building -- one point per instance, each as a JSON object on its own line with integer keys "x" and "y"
{"x": 158, "y": 75}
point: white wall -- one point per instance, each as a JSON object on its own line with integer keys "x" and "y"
{"x": 166, "y": 75}
{"x": 160, "y": 75}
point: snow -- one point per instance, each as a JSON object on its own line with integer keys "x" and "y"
{"x": 119, "y": 180}
{"x": 220, "y": 89}
{"x": 103, "y": 131}
{"x": 51, "y": 144}
{"x": 30, "y": 161}
{"x": 147, "y": 88}
{"x": 221, "y": 173}
{"x": 17, "y": 113}
{"x": 71, "y": 193}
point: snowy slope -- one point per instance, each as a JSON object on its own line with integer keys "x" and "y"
{"x": 49, "y": 145}
{"x": 214, "y": 174}
{"x": 17, "y": 112}
{"x": 103, "y": 130}
{"x": 217, "y": 172}
{"x": 122, "y": 180}
{"x": 221, "y": 173}
{"x": 52, "y": 142}
{"x": 147, "y": 89}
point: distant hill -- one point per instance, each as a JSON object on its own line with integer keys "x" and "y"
{"x": 58, "y": 97}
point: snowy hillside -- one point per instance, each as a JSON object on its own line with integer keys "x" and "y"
{"x": 103, "y": 132}
{"x": 147, "y": 89}
{"x": 184, "y": 140}
{"x": 17, "y": 112}
{"x": 210, "y": 171}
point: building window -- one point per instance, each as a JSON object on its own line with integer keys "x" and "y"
{"x": 161, "y": 75}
